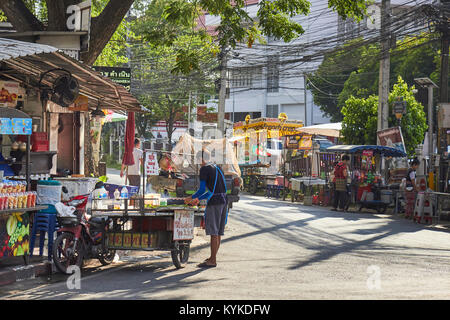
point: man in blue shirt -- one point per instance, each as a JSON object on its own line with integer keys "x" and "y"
{"x": 212, "y": 178}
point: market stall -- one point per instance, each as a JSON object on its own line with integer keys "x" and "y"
{"x": 17, "y": 201}
{"x": 368, "y": 188}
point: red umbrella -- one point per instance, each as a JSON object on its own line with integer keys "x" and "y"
{"x": 128, "y": 159}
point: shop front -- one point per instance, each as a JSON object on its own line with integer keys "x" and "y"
{"x": 62, "y": 101}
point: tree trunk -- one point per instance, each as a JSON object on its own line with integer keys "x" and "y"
{"x": 19, "y": 16}
{"x": 57, "y": 14}
{"x": 104, "y": 26}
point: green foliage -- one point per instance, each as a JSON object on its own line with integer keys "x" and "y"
{"x": 359, "y": 125}
{"x": 353, "y": 71}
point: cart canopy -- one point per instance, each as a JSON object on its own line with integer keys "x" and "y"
{"x": 382, "y": 150}
{"x": 327, "y": 129}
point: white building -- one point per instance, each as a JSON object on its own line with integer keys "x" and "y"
{"x": 268, "y": 79}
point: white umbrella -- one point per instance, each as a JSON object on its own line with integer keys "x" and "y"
{"x": 327, "y": 129}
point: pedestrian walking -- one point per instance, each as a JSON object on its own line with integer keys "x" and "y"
{"x": 213, "y": 179}
{"x": 340, "y": 182}
{"x": 133, "y": 172}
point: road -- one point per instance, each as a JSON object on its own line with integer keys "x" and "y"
{"x": 282, "y": 251}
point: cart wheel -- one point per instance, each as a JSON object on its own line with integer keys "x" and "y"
{"x": 253, "y": 186}
{"x": 180, "y": 255}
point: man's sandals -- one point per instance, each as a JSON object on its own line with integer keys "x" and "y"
{"x": 205, "y": 264}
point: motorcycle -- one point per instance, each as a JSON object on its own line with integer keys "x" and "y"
{"x": 81, "y": 238}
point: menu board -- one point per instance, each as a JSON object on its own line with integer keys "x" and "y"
{"x": 183, "y": 225}
{"x": 151, "y": 164}
{"x": 16, "y": 126}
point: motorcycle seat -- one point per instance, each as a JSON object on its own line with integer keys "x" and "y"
{"x": 97, "y": 220}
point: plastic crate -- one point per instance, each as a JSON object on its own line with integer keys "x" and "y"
{"x": 39, "y": 136}
{"x": 39, "y": 146}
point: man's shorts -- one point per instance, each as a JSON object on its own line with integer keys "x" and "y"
{"x": 215, "y": 219}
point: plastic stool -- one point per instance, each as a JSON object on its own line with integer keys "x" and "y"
{"x": 43, "y": 222}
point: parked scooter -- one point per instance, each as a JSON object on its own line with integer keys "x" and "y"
{"x": 81, "y": 237}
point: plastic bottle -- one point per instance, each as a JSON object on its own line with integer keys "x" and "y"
{"x": 124, "y": 193}
{"x": 116, "y": 199}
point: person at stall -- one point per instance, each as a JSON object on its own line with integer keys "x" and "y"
{"x": 212, "y": 178}
{"x": 134, "y": 171}
{"x": 411, "y": 188}
{"x": 340, "y": 182}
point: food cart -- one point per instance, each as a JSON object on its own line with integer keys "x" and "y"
{"x": 260, "y": 152}
{"x": 148, "y": 224}
{"x": 17, "y": 202}
{"x": 368, "y": 188}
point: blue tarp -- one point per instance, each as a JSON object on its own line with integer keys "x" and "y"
{"x": 384, "y": 151}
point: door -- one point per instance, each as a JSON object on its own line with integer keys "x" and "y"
{"x": 68, "y": 146}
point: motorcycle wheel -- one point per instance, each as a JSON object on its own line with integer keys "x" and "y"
{"x": 107, "y": 258}
{"x": 64, "y": 253}
{"x": 180, "y": 256}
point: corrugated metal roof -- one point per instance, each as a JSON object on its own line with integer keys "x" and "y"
{"x": 10, "y": 49}
{"x": 26, "y": 62}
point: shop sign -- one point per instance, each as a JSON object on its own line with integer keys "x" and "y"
{"x": 183, "y": 225}
{"x": 9, "y": 93}
{"x": 392, "y": 137}
{"x": 80, "y": 104}
{"x": 118, "y": 75}
{"x": 292, "y": 142}
{"x": 151, "y": 164}
{"x": 368, "y": 153}
{"x": 16, "y": 126}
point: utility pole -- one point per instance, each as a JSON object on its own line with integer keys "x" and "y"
{"x": 222, "y": 91}
{"x": 383, "y": 87}
{"x": 443, "y": 90}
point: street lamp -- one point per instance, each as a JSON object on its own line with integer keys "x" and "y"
{"x": 427, "y": 83}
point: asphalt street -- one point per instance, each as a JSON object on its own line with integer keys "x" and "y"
{"x": 278, "y": 250}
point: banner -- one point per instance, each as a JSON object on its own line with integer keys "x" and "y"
{"x": 392, "y": 137}
{"x": 305, "y": 143}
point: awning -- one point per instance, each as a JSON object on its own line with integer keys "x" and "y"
{"x": 327, "y": 129}
{"x": 25, "y": 62}
{"x": 385, "y": 151}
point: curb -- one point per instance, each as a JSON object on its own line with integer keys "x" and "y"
{"x": 24, "y": 272}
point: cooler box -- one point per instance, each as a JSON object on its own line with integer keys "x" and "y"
{"x": 48, "y": 192}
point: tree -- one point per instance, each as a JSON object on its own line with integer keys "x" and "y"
{"x": 103, "y": 25}
{"x": 159, "y": 89}
{"x": 359, "y": 125}
{"x": 353, "y": 71}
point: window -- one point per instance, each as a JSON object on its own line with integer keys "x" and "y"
{"x": 244, "y": 77}
{"x": 272, "y": 111}
{"x": 273, "y": 75}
